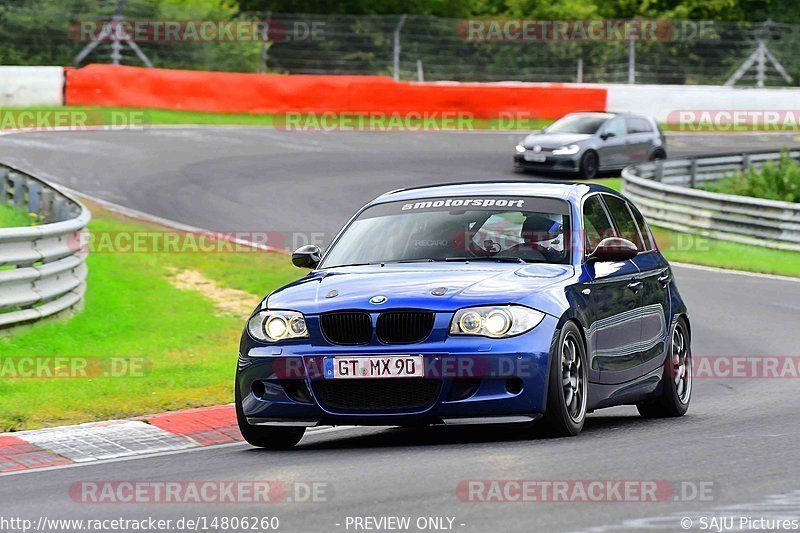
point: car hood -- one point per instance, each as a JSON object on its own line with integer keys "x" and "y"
{"x": 554, "y": 140}
{"x": 411, "y": 286}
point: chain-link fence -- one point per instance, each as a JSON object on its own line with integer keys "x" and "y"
{"x": 157, "y": 33}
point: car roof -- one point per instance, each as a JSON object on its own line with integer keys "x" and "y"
{"x": 607, "y": 114}
{"x": 564, "y": 190}
{"x": 599, "y": 114}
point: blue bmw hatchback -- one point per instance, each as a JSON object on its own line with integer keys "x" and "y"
{"x": 494, "y": 302}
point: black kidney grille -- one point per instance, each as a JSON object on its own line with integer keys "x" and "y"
{"x": 347, "y": 328}
{"x": 381, "y": 394}
{"x": 404, "y": 327}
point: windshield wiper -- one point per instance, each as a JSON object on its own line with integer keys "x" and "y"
{"x": 488, "y": 258}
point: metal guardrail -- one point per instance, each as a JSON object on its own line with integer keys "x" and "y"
{"x": 42, "y": 267}
{"x": 665, "y": 193}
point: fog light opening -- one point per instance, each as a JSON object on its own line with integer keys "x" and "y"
{"x": 463, "y": 389}
{"x": 258, "y": 388}
{"x": 514, "y": 385}
{"x": 297, "y": 390}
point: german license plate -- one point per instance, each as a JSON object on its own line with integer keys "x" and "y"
{"x": 535, "y": 158}
{"x": 382, "y": 366}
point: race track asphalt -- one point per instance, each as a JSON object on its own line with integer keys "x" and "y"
{"x": 741, "y": 435}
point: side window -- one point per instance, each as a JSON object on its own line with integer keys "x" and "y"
{"x": 596, "y": 224}
{"x": 623, "y": 220}
{"x": 617, "y": 127}
{"x": 638, "y": 125}
{"x": 644, "y": 229}
{"x": 630, "y": 123}
{"x": 643, "y": 125}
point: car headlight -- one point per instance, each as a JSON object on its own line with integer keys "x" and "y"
{"x": 572, "y": 149}
{"x": 519, "y": 148}
{"x": 495, "y": 321}
{"x": 273, "y": 326}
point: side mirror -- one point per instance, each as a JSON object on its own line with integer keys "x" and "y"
{"x": 614, "y": 249}
{"x": 605, "y": 136}
{"x": 307, "y": 256}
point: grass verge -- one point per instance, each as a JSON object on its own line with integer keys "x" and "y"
{"x": 146, "y": 345}
{"x": 11, "y": 218}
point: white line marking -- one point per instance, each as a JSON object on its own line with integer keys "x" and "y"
{"x": 773, "y": 277}
{"x": 105, "y": 440}
{"x": 159, "y": 454}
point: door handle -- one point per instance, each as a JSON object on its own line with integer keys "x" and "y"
{"x": 664, "y": 279}
{"x": 635, "y": 285}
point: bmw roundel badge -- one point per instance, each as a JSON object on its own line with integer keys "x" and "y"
{"x": 377, "y": 300}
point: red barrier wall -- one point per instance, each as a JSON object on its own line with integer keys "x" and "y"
{"x": 109, "y": 85}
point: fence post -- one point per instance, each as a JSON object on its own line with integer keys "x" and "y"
{"x": 3, "y": 186}
{"x": 17, "y": 188}
{"x": 745, "y": 162}
{"x": 46, "y": 207}
{"x": 396, "y": 48}
{"x": 631, "y": 61}
{"x": 693, "y": 174}
{"x": 659, "y": 170}
{"x": 265, "y": 24}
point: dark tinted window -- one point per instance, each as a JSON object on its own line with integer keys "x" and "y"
{"x": 644, "y": 229}
{"x": 596, "y": 224}
{"x": 623, "y": 220}
{"x": 638, "y": 125}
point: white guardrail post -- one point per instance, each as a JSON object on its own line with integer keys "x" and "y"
{"x": 42, "y": 267}
{"x": 660, "y": 191}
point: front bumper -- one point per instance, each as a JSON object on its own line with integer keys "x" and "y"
{"x": 471, "y": 380}
{"x": 552, "y": 163}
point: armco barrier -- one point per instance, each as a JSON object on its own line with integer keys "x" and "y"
{"x": 664, "y": 192}
{"x": 48, "y": 267}
{"x": 31, "y": 86}
{"x": 225, "y": 92}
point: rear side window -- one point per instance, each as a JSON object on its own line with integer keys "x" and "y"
{"x": 638, "y": 125}
{"x": 644, "y": 229}
{"x": 623, "y": 220}
{"x": 596, "y": 224}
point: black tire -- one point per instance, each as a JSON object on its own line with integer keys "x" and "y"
{"x": 590, "y": 164}
{"x": 565, "y": 418}
{"x": 658, "y": 154}
{"x": 676, "y": 383}
{"x": 518, "y": 167}
{"x": 269, "y": 437}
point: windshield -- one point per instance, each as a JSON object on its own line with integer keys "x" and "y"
{"x": 576, "y": 124}
{"x": 519, "y": 229}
